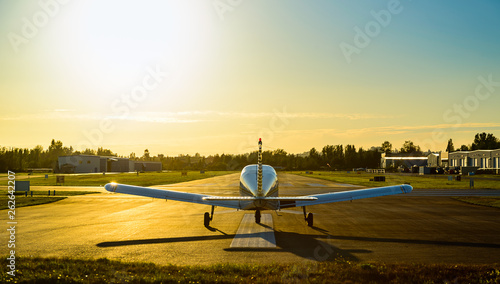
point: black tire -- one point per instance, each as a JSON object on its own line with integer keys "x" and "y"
{"x": 257, "y": 216}
{"x": 206, "y": 220}
{"x": 310, "y": 219}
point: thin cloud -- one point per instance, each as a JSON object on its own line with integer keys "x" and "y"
{"x": 186, "y": 116}
{"x": 395, "y": 129}
{"x": 53, "y": 115}
{"x": 212, "y": 115}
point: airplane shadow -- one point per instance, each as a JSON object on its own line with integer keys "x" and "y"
{"x": 317, "y": 247}
{"x": 163, "y": 240}
{"x": 303, "y": 245}
{"x": 212, "y": 229}
{"x": 313, "y": 247}
{"x": 405, "y": 241}
{"x": 415, "y": 241}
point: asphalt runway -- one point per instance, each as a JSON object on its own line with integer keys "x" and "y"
{"x": 420, "y": 227}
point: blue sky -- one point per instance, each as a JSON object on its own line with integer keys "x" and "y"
{"x": 227, "y": 74}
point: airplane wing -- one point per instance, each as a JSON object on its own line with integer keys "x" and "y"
{"x": 222, "y": 201}
{"x": 172, "y": 195}
{"x": 348, "y": 195}
{"x": 235, "y": 201}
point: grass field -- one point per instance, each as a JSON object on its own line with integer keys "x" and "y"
{"x": 490, "y": 201}
{"x": 53, "y": 270}
{"x": 418, "y": 182}
{"x": 39, "y": 197}
{"x": 29, "y": 201}
{"x": 143, "y": 179}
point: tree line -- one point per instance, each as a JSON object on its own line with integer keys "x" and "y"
{"x": 330, "y": 157}
{"x": 23, "y": 159}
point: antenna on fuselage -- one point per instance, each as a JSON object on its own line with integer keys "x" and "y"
{"x": 259, "y": 169}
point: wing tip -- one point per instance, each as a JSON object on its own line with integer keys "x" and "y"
{"x": 111, "y": 186}
{"x": 407, "y": 188}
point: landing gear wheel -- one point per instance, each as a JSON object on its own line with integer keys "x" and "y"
{"x": 208, "y": 217}
{"x": 206, "y": 220}
{"x": 257, "y": 216}
{"x": 309, "y": 219}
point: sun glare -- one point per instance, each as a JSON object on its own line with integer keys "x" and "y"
{"x": 109, "y": 45}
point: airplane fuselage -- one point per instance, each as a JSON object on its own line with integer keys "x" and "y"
{"x": 249, "y": 186}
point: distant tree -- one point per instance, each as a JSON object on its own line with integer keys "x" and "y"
{"x": 146, "y": 155}
{"x": 450, "y": 147}
{"x": 370, "y": 158}
{"x": 280, "y": 157}
{"x": 89, "y": 152}
{"x": 56, "y": 150}
{"x": 464, "y": 148}
{"x": 104, "y": 152}
{"x": 350, "y": 157}
{"x": 313, "y": 153}
{"x": 327, "y": 155}
{"x": 483, "y": 141}
{"x": 201, "y": 163}
{"x": 338, "y": 157}
{"x": 313, "y": 160}
{"x": 409, "y": 147}
{"x": 36, "y": 156}
{"x": 280, "y": 152}
{"x": 386, "y": 147}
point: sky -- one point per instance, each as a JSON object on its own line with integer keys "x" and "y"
{"x": 213, "y": 76}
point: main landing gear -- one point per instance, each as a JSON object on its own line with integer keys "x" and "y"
{"x": 208, "y": 217}
{"x": 308, "y": 217}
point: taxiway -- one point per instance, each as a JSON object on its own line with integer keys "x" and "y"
{"x": 422, "y": 227}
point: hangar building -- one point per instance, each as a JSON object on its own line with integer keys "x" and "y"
{"x": 396, "y": 160}
{"x": 103, "y": 164}
{"x": 482, "y": 159}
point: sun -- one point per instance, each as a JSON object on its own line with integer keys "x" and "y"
{"x": 103, "y": 46}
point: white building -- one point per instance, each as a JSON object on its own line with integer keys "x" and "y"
{"x": 482, "y": 159}
{"x": 103, "y": 164}
{"x": 397, "y": 160}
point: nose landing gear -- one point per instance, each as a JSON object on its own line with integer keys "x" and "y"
{"x": 257, "y": 216}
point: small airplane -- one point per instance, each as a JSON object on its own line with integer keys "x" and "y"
{"x": 258, "y": 191}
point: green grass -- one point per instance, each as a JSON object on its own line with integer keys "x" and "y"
{"x": 64, "y": 270}
{"x": 143, "y": 179}
{"x": 39, "y": 197}
{"x": 418, "y": 182}
{"x": 490, "y": 201}
{"x": 29, "y": 201}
